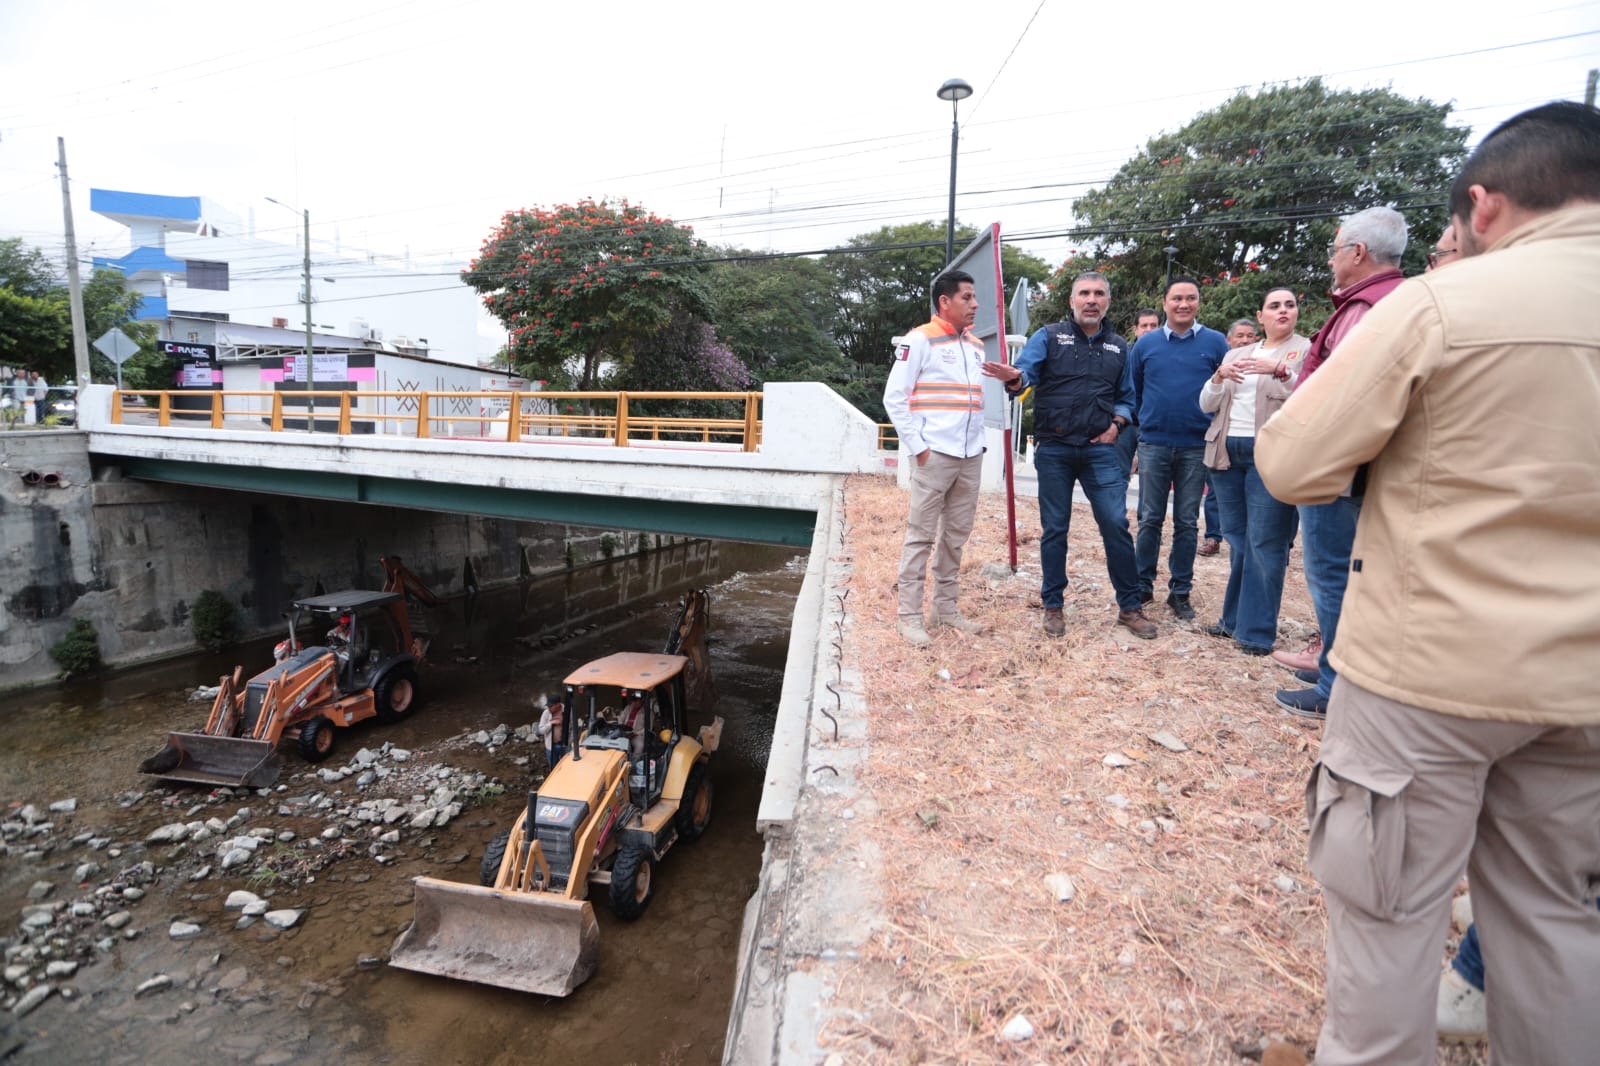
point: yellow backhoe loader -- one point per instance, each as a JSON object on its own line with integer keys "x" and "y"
{"x": 635, "y": 784}
{"x": 366, "y": 668}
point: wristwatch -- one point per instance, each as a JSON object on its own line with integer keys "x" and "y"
{"x": 1120, "y": 422}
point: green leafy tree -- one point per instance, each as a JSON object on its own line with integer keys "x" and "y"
{"x": 580, "y": 286}
{"x": 36, "y": 320}
{"x": 1249, "y": 194}
{"x": 778, "y": 316}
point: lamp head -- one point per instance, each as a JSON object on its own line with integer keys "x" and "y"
{"x": 954, "y": 89}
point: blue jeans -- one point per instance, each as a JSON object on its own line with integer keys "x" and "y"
{"x": 1469, "y": 959}
{"x": 1328, "y": 531}
{"x": 1212, "y": 509}
{"x": 1099, "y": 470}
{"x": 1259, "y": 530}
{"x": 1184, "y": 470}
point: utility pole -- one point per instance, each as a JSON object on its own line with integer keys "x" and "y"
{"x": 1588, "y": 92}
{"x": 80, "y": 330}
{"x": 311, "y": 366}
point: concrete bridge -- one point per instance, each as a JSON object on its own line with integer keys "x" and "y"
{"x": 809, "y": 437}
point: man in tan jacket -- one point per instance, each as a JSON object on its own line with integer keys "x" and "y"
{"x": 1464, "y": 728}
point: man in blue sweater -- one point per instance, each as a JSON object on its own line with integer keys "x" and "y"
{"x": 1166, "y": 371}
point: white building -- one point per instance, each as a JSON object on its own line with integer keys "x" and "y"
{"x": 192, "y": 259}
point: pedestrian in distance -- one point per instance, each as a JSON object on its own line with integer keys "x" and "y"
{"x": 1464, "y": 727}
{"x": 1144, "y": 320}
{"x": 1247, "y": 389}
{"x": 1082, "y": 401}
{"x": 1365, "y": 261}
{"x": 1166, "y": 370}
{"x": 934, "y": 397}
{"x": 1241, "y": 333}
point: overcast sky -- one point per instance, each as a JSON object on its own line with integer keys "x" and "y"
{"x": 409, "y": 128}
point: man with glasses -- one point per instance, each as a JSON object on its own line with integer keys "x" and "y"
{"x": 1365, "y": 260}
{"x": 1445, "y": 249}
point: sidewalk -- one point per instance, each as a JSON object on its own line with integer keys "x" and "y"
{"x": 1026, "y": 850}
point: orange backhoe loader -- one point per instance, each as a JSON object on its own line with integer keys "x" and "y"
{"x": 366, "y": 668}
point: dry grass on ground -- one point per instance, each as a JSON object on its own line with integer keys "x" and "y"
{"x": 1196, "y": 930}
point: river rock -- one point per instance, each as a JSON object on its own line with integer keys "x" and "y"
{"x": 235, "y": 857}
{"x": 61, "y": 968}
{"x": 159, "y": 983}
{"x": 85, "y": 871}
{"x": 239, "y": 899}
{"x": 66, "y": 806}
{"x": 39, "y": 890}
{"x": 1062, "y": 886}
{"x": 117, "y": 920}
{"x": 30, "y": 815}
{"x": 82, "y": 909}
{"x": 1018, "y": 1029}
{"x": 184, "y": 930}
{"x": 329, "y": 777}
{"x": 168, "y": 834}
{"x": 16, "y": 974}
{"x": 399, "y": 755}
{"x": 200, "y": 874}
{"x": 1116, "y": 760}
{"x": 233, "y": 979}
{"x": 133, "y": 894}
{"x": 37, "y": 920}
{"x": 31, "y": 999}
{"x": 1168, "y": 741}
{"x": 256, "y": 909}
{"x": 284, "y": 919}
{"x": 365, "y": 757}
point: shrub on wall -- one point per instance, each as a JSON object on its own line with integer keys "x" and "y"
{"x": 77, "y": 653}
{"x": 214, "y": 620}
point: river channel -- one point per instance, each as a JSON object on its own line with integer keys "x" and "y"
{"x": 319, "y": 992}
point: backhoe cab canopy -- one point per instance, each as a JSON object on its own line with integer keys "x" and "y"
{"x": 637, "y": 675}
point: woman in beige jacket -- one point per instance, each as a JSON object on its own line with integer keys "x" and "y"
{"x": 1246, "y": 390}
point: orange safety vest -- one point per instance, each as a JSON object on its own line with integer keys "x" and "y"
{"x": 934, "y": 395}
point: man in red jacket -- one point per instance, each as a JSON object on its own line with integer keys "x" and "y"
{"x": 1365, "y": 260}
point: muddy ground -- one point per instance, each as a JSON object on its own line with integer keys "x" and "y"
{"x": 333, "y": 858}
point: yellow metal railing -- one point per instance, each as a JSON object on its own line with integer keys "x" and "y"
{"x": 515, "y": 416}
{"x": 888, "y": 439}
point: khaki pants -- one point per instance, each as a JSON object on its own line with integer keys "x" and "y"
{"x": 944, "y": 500}
{"x": 1399, "y": 801}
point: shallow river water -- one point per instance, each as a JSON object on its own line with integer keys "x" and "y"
{"x": 318, "y": 992}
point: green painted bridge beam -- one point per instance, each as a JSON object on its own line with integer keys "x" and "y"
{"x": 766, "y": 525}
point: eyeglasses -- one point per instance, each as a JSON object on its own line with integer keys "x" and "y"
{"x": 1438, "y": 254}
{"x": 1335, "y": 248}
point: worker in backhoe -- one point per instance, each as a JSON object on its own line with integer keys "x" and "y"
{"x": 342, "y": 639}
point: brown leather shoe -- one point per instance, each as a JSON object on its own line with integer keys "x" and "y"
{"x": 1209, "y": 547}
{"x": 1054, "y": 624}
{"x": 1138, "y": 623}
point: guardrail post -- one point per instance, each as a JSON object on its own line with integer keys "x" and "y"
{"x": 344, "y": 414}
{"x": 277, "y": 412}
{"x": 514, "y": 418}
{"x": 164, "y": 409}
{"x": 116, "y": 408}
{"x": 752, "y": 402}
{"x": 622, "y": 420}
{"x": 216, "y": 409}
{"x": 422, "y": 416}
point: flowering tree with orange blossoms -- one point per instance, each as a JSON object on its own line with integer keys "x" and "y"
{"x": 580, "y": 286}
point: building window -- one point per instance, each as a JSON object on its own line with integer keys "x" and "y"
{"x": 204, "y": 274}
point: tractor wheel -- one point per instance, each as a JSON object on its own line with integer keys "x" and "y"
{"x": 316, "y": 739}
{"x": 489, "y": 869}
{"x": 396, "y": 695}
{"x": 694, "y": 811}
{"x": 632, "y": 881}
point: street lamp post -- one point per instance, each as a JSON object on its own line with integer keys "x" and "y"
{"x": 953, "y": 90}
{"x": 305, "y": 296}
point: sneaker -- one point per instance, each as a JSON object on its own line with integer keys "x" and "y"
{"x": 1138, "y": 623}
{"x": 955, "y": 621}
{"x": 1308, "y": 677}
{"x": 1462, "y": 1013}
{"x": 1218, "y": 630}
{"x": 1179, "y": 602}
{"x": 912, "y": 632}
{"x": 1307, "y": 658}
{"x": 1209, "y": 547}
{"x": 1054, "y": 624}
{"x": 1302, "y": 702}
{"x": 1254, "y": 649}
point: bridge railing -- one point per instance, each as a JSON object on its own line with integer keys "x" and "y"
{"x": 621, "y": 418}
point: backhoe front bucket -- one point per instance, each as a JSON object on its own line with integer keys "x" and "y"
{"x": 208, "y": 760}
{"x": 528, "y": 941}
